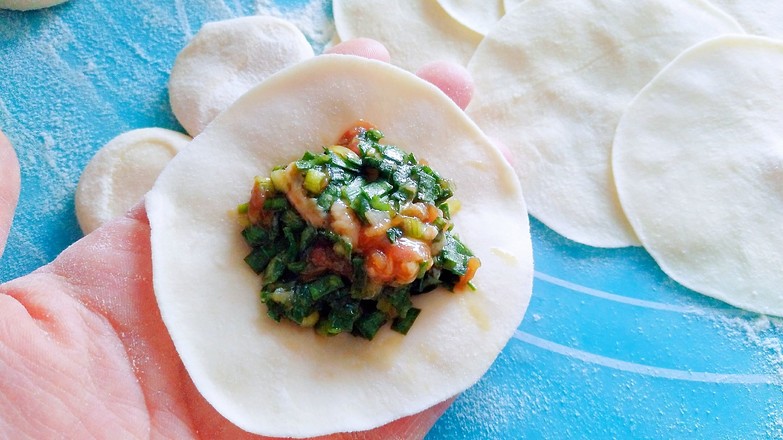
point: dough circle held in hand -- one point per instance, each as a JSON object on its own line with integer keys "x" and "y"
{"x": 227, "y": 58}
{"x": 121, "y": 172}
{"x": 278, "y": 379}
{"x": 698, "y": 161}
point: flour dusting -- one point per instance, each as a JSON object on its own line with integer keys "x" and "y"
{"x": 763, "y": 333}
{"x": 313, "y": 19}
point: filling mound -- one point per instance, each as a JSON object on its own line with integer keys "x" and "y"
{"x": 344, "y": 238}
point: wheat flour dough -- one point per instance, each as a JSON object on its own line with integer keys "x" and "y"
{"x": 511, "y": 4}
{"x": 698, "y": 161}
{"x": 121, "y": 172}
{"x": 283, "y": 380}
{"x": 225, "y": 59}
{"x": 28, "y": 5}
{"x": 758, "y": 17}
{"x": 416, "y": 32}
{"x": 552, "y": 79}
{"x": 477, "y": 15}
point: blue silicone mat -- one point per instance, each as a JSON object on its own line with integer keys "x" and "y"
{"x": 610, "y": 346}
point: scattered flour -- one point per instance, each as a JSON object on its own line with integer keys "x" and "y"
{"x": 312, "y": 18}
{"x": 536, "y": 317}
{"x": 775, "y": 428}
{"x": 764, "y": 333}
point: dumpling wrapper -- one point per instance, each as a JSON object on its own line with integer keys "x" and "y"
{"x": 28, "y": 5}
{"x": 479, "y": 15}
{"x": 227, "y": 58}
{"x": 552, "y": 79}
{"x": 275, "y": 378}
{"x": 121, "y": 172}
{"x": 698, "y": 161}
{"x": 511, "y": 4}
{"x": 416, "y": 32}
{"x": 758, "y": 17}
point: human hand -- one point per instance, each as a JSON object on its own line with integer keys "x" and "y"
{"x": 83, "y": 348}
{"x": 9, "y": 188}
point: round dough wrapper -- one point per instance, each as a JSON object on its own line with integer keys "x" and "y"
{"x": 477, "y": 15}
{"x": 511, "y": 4}
{"x": 552, "y": 79}
{"x": 227, "y": 58}
{"x": 698, "y": 161}
{"x": 28, "y": 5}
{"x": 281, "y": 380}
{"x": 416, "y": 32}
{"x": 759, "y": 17}
{"x": 121, "y": 172}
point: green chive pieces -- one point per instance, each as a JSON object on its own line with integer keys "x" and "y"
{"x": 317, "y": 278}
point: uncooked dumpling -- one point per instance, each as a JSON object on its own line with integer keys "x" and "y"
{"x": 281, "y": 380}
{"x": 121, "y": 172}
{"x": 552, "y": 79}
{"x": 416, "y": 32}
{"x": 698, "y": 161}
{"x": 227, "y": 58}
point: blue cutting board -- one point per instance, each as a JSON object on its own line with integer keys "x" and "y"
{"x": 610, "y": 346}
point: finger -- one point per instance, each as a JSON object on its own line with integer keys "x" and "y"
{"x": 453, "y": 79}
{"x": 363, "y": 47}
{"x": 112, "y": 271}
{"x": 109, "y": 272}
{"x": 507, "y": 153}
{"x": 9, "y": 187}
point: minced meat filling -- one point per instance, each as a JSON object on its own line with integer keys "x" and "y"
{"x": 345, "y": 237}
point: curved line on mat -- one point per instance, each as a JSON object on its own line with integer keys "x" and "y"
{"x": 618, "y": 298}
{"x": 646, "y": 370}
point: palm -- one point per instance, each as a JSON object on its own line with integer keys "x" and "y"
{"x": 85, "y": 351}
{"x": 86, "y": 354}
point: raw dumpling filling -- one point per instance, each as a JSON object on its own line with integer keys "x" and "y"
{"x": 345, "y": 237}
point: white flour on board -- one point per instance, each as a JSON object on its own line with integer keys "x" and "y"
{"x": 762, "y": 332}
{"x": 312, "y": 19}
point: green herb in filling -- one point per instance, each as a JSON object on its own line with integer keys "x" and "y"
{"x": 343, "y": 239}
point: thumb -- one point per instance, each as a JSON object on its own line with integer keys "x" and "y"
{"x": 9, "y": 187}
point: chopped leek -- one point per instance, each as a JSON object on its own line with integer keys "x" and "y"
{"x": 314, "y": 276}
{"x": 315, "y": 181}
{"x": 367, "y": 325}
{"x": 403, "y": 324}
{"x": 280, "y": 180}
{"x": 412, "y": 227}
{"x": 275, "y": 204}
